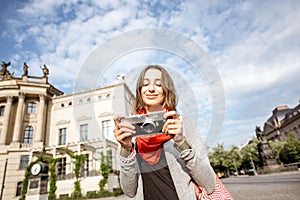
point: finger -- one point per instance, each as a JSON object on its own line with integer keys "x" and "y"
{"x": 122, "y": 131}
{"x": 117, "y": 119}
{"x": 167, "y": 124}
{"x": 172, "y": 114}
{"x": 170, "y": 122}
{"x": 124, "y": 136}
{"x": 126, "y": 125}
{"x": 175, "y": 131}
{"x": 173, "y": 126}
{"x": 164, "y": 129}
{"x": 117, "y": 132}
{"x": 127, "y": 130}
{"x": 121, "y": 134}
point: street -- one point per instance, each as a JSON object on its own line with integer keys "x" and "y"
{"x": 263, "y": 187}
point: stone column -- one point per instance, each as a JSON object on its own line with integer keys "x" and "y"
{"x": 40, "y": 120}
{"x": 19, "y": 118}
{"x": 6, "y": 120}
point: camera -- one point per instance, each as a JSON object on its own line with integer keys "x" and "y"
{"x": 149, "y": 123}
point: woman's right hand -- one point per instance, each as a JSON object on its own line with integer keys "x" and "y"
{"x": 123, "y": 132}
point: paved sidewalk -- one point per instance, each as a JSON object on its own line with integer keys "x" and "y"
{"x": 263, "y": 187}
{"x": 121, "y": 197}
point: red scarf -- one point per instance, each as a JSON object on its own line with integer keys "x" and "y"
{"x": 149, "y": 147}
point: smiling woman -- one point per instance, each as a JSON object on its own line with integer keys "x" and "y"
{"x": 161, "y": 165}
{"x": 152, "y": 91}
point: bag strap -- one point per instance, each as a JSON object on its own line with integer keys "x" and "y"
{"x": 219, "y": 193}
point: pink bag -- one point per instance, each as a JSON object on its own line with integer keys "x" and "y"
{"x": 219, "y": 193}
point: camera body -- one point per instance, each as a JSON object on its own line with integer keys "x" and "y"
{"x": 149, "y": 123}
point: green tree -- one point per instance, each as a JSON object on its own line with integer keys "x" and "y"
{"x": 235, "y": 158}
{"x": 248, "y": 152}
{"x": 276, "y": 148}
{"x": 225, "y": 161}
{"x": 218, "y": 159}
{"x": 290, "y": 152}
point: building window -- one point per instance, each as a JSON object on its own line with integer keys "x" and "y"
{"x": 84, "y": 132}
{"x": 19, "y": 188}
{"x": 62, "y": 135}
{"x": 31, "y": 108}
{"x": 286, "y": 134}
{"x": 28, "y": 135}
{"x": 107, "y": 128}
{"x": 100, "y": 98}
{"x": 61, "y": 166}
{"x": 295, "y": 130}
{"x": 24, "y": 160}
{"x": 2, "y": 108}
{"x": 108, "y": 95}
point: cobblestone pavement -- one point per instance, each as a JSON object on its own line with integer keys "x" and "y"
{"x": 263, "y": 187}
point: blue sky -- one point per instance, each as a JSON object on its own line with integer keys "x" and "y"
{"x": 253, "y": 44}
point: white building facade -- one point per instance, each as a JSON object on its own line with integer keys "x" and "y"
{"x": 35, "y": 115}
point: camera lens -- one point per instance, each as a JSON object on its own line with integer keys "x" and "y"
{"x": 149, "y": 126}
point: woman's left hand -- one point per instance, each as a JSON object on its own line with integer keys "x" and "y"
{"x": 173, "y": 127}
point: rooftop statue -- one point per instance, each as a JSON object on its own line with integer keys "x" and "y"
{"x": 45, "y": 70}
{"x": 259, "y": 134}
{"x": 4, "y": 73}
{"x": 4, "y": 68}
{"x": 25, "y": 69}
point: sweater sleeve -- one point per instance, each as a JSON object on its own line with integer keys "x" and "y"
{"x": 129, "y": 175}
{"x": 199, "y": 169}
{"x": 196, "y": 158}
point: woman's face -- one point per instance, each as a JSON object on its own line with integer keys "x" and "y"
{"x": 152, "y": 91}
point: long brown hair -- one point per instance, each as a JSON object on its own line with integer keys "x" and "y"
{"x": 168, "y": 87}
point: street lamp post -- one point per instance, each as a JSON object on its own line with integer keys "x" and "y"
{"x": 236, "y": 170}
{"x": 253, "y": 166}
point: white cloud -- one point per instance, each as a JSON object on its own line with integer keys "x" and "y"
{"x": 254, "y": 44}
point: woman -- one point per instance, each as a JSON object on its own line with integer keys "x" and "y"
{"x": 166, "y": 165}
